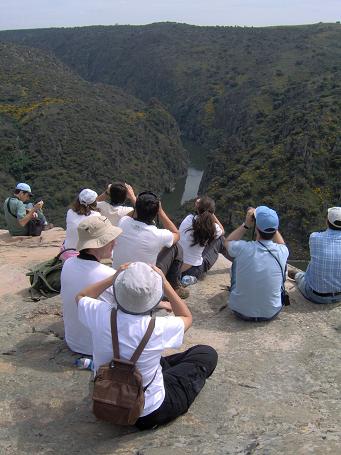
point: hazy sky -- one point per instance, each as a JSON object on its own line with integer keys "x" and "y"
{"x": 58, "y": 13}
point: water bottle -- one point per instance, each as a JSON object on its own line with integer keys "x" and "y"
{"x": 187, "y": 280}
{"x": 84, "y": 363}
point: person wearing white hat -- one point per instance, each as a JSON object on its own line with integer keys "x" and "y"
{"x": 321, "y": 283}
{"x": 174, "y": 381}
{"x": 96, "y": 239}
{"x": 19, "y": 213}
{"x": 84, "y": 206}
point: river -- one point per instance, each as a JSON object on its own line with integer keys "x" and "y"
{"x": 187, "y": 187}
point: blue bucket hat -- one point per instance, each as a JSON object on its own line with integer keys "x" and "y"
{"x": 266, "y": 219}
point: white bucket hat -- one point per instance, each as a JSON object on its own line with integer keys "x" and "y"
{"x": 138, "y": 289}
{"x": 334, "y": 216}
{"x": 95, "y": 232}
{"x": 87, "y": 196}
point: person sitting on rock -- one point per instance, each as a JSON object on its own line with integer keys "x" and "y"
{"x": 117, "y": 193}
{"x": 142, "y": 241}
{"x": 85, "y": 205}
{"x": 321, "y": 283}
{"x": 173, "y": 382}
{"x": 19, "y": 212}
{"x": 201, "y": 238}
{"x": 258, "y": 267}
{"x": 96, "y": 239}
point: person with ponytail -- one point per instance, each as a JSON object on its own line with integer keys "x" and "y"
{"x": 85, "y": 205}
{"x": 201, "y": 238}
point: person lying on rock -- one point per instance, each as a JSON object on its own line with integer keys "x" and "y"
{"x": 110, "y": 202}
{"x": 201, "y": 238}
{"x": 258, "y": 267}
{"x": 321, "y": 283}
{"x": 173, "y": 381}
{"x": 143, "y": 241}
{"x": 20, "y": 212}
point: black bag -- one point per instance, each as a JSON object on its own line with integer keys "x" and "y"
{"x": 284, "y": 295}
{"x": 35, "y": 227}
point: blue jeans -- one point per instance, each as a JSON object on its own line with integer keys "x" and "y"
{"x": 309, "y": 294}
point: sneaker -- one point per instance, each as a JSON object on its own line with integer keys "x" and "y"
{"x": 182, "y": 292}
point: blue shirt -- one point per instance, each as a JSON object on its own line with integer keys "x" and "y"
{"x": 258, "y": 277}
{"x": 324, "y": 270}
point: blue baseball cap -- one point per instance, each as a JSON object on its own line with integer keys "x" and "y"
{"x": 266, "y": 219}
{"x": 24, "y": 187}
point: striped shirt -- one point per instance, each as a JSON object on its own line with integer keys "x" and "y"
{"x": 324, "y": 269}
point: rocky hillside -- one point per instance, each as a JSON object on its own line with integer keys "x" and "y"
{"x": 61, "y": 133}
{"x": 264, "y": 101}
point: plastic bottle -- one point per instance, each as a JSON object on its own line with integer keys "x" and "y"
{"x": 187, "y": 280}
{"x": 84, "y": 363}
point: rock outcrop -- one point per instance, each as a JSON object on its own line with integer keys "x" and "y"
{"x": 276, "y": 389}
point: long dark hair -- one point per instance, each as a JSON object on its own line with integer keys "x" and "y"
{"x": 203, "y": 225}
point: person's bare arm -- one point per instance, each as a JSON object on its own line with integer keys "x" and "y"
{"x": 238, "y": 233}
{"x": 277, "y": 238}
{"x": 178, "y": 305}
{"x": 104, "y": 196}
{"x": 130, "y": 195}
{"x": 95, "y": 290}
{"x": 30, "y": 214}
{"x": 219, "y": 224}
{"x": 168, "y": 224}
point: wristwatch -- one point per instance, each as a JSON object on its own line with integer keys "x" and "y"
{"x": 245, "y": 227}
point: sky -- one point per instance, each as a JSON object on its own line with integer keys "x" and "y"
{"x": 16, "y": 14}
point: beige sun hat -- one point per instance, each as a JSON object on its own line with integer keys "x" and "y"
{"x": 138, "y": 289}
{"x": 95, "y": 232}
{"x": 334, "y": 216}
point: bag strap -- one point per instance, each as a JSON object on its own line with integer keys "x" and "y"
{"x": 283, "y": 272}
{"x": 8, "y": 207}
{"x": 140, "y": 347}
{"x": 66, "y": 249}
{"x": 144, "y": 341}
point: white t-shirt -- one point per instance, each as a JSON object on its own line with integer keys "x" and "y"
{"x": 76, "y": 275}
{"x": 192, "y": 254}
{"x": 72, "y": 222}
{"x": 113, "y": 212}
{"x": 139, "y": 242}
{"x": 168, "y": 333}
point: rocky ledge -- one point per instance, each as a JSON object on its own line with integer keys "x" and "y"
{"x": 276, "y": 389}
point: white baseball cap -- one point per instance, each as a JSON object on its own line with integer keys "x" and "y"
{"x": 24, "y": 187}
{"x": 87, "y": 196}
{"x": 138, "y": 289}
{"x": 334, "y": 216}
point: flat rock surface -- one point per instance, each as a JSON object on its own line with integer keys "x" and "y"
{"x": 276, "y": 389}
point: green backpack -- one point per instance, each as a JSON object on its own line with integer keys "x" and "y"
{"x": 45, "y": 277}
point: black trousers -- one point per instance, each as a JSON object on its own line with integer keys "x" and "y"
{"x": 184, "y": 375}
{"x": 209, "y": 257}
{"x": 169, "y": 260}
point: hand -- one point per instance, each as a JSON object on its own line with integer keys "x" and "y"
{"x": 130, "y": 193}
{"x": 160, "y": 272}
{"x": 38, "y": 205}
{"x": 250, "y": 216}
